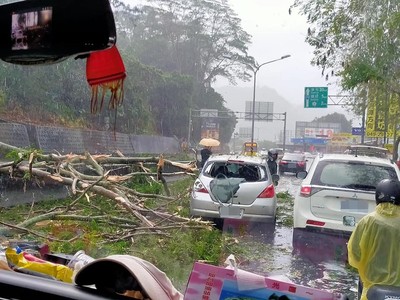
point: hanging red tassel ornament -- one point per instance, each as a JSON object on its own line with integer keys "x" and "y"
{"x": 105, "y": 72}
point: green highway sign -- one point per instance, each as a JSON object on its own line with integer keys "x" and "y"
{"x": 316, "y": 97}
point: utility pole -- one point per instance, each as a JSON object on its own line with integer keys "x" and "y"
{"x": 255, "y": 69}
{"x": 189, "y": 127}
{"x": 284, "y": 132}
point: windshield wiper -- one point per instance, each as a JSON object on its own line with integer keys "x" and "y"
{"x": 360, "y": 186}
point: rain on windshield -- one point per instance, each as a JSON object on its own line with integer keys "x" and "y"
{"x": 108, "y": 165}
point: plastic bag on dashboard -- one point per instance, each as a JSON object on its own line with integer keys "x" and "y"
{"x": 26, "y": 263}
{"x": 208, "y": 281}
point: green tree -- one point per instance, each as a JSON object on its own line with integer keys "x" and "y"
{"x": 170, "y": 105}
{"x": 356, "y": 32}
{"x": 160, "y": 87}
{"x": 196, "y": 37}
{"x": 356, "y": 40}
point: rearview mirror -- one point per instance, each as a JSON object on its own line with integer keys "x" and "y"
{"x": 47, "y": 31}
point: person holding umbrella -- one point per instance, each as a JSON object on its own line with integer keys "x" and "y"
{"x": 206, "y": 151}
{"x": 205, "y": 154}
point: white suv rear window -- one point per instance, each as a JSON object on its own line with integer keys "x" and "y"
{"x": 353, "y": 175}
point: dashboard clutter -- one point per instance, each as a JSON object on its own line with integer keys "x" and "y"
{"x": 208, "y": 282}
{"x": 24, "y": 262}
{"x": 125, "y": 275}
{"x": 128, "y": 274}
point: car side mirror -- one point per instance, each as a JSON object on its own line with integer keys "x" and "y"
{"x": 349, "y": 221}
{"x": 47, "y": 31}
{"x": 301, "y": 174}
{"x": 275, "y": 179}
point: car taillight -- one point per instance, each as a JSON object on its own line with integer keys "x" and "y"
{"x": 305, "y": 191}
{"x": 202, "y": 190}
{"x": 301, "y": 163}
{"x": 315, "y": 223}
{"x": 199, "y": 187}
{"x": 268, "y": 192}
{"x": 283, "y": 162}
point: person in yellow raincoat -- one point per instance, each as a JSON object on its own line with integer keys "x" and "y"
{"x": 373, "y": 247}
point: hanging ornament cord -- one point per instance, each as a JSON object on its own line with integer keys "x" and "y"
{"x": 105, "y": 73}
{"x": 99, "y": 91}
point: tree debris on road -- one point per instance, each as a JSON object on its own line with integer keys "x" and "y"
{"x": 89, "y": 176}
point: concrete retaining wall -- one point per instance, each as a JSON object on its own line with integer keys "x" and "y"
{"x": 66, "y": 140}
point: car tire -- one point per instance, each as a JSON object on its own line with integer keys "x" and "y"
{"x": 218, "y": 223}
{"x": 297, "y": 241}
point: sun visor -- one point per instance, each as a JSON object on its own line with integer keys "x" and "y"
{"x": 47, "y": 31}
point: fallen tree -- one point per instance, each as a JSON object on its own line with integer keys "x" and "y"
{"x": 89, "y": 176}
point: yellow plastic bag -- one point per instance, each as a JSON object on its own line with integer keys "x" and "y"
{"x": 56, "y": 271}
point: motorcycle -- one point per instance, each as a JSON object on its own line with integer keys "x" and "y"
{"x": 383, "y": 292}
{"x": 380, "y": 292}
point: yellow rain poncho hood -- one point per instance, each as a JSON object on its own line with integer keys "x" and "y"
{"x": 374, "y": 247}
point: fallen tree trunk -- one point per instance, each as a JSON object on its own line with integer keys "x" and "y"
{"x": 88, "y": 176}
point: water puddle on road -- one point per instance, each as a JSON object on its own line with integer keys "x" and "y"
{"x": 316, "y": 261}
{"x": 309, "y": 259}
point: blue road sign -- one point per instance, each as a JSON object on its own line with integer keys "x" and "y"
{"x": 357, "y": 131}
{"x": 309, "y": 140}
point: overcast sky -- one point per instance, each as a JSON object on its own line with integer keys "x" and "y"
{"x": 276, "y": 33}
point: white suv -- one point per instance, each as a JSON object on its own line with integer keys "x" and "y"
{"x": 338, "y": 190}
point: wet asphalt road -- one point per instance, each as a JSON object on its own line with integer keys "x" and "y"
{"x": 317, "y": 261}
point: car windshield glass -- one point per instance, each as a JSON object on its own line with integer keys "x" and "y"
{"x": 104, "y": 115}
{"x": 351, "y": 175}
{"x": 249, "y": 172}
{"x": 293, "y": 156}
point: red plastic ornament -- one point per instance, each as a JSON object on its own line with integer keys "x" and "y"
{"x": 105, "y": 72}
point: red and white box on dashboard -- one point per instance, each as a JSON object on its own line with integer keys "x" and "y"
{"x": 209, "y": 282}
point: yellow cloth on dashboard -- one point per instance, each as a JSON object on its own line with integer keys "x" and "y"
{"x": 373, "y": 247}
{"x": 56, "y": 271}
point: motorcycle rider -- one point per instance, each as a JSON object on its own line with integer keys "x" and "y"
{"x": 373, "y": 245}
{"x": 271, "y": 162}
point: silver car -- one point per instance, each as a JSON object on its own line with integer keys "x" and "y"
{"x": 235, "y": 187}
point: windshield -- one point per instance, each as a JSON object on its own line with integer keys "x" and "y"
{"x": 106, "y": 107}
{"x": 293, "y": 156}
{"x": 249, "y": 172}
